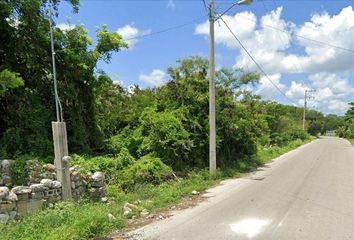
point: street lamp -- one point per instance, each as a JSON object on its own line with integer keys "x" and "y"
{"x": 244, "y": 2}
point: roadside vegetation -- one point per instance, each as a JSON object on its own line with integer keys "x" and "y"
{"x": 151, "y": 143}
{"x": 347, "y": 129}
{"x": 85, "y": 219}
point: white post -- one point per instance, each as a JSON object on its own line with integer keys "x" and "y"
{"x": 61, "y": 151}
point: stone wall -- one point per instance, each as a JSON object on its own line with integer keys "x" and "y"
{"x": 37, "y": 172}
{"x": 43, "y": 190}
{"x": 23, "y": 200}
{"x": 5, "y": 179}
{"x": 81, "y": 183}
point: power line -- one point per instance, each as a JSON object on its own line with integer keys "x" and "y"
{"x": 167, "y": 29}
{"x": 205, "y": 6}
{"x": 301, "y": 69}
{"x": 255, "y": 62}
{"x": 228, "y": 9}
{"x": 157, "y": 32}
{"x": 297, "y": 35}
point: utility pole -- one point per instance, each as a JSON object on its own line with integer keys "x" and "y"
{"x": 60, "y": 141}
{"x": 307, "y": 97}
{"x": 53, "y": 64}
{"x": 212, "y": 121}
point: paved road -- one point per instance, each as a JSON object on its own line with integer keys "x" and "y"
{"x": 305, "y": 194}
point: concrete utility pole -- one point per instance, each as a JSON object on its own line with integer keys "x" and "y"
{"x": 212, "y": 124}
{"x": 59, "y": 132}
{"x": 307, "y": 97}
{"x": 212, "y": 121}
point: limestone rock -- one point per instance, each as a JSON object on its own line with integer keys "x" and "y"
{"x": 7, "y": 207}
{"x": 4, "y": 217}
{"x": 19, "y": 190}
{"x": 128, "y": 209}
{"x": 49, "y": 167}
{"x": 12, "y": 215}
{"x": 111, "y": 218}
{"x": 74, "y": 176}
{"x": 47, "y": 183}
{"x": 12, "y": 197}
{"x": 144, "y": 213}
{"x": 74, "y": 168}
{"x": 4, "y": 192}
{"x": 97, "y": 193}
{"x": 39, "y": 187}
{"x": 56, "y": 184}
{"x": 195, "y": 192}
{"x": 5, "y": 165}
{"x": 98, "y": 177}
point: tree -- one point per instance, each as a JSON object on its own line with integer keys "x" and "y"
{"x": 9, "y": 80}
{"x": 26, "y": 112}
{"x": 347, "y": 130}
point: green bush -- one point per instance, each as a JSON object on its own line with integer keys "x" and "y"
{"x": 18, "y": 173}
{"x": 104, "y": 163}
{"x": 69, "y": 221}
{"x": 164, "y": 135}
{"x": 148, "y": 169}
{"x": 295, "y": 134}
{"x": 115, "y": 144}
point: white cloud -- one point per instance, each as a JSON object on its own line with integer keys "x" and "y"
{"x": 337, "y": 30}
{"x": 266, "y": 88}
{"x": 171, "y": 4}
{"x": 156, "y": 78}
{"x": 271, "y": 40}
{"x": 65, "y": 26}
{"x": 337, "y": 106}
{"x": 296, "y": 92}
{"x": 130, "y": 34}
{"x": 222, "y": 35}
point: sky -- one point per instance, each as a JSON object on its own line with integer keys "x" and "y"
{"x": 299, "y": 44}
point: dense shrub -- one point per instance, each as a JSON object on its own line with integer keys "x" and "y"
{"x": 18, "y": 173}
{"x": 107, "y": 164}
{"x": 148, "y": 169}
{"x": 295, "y": 134}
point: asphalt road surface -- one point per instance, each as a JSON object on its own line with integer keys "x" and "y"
{"x": 305, "y": 194}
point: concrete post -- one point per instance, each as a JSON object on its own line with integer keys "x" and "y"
{"x": 212, "y": 121}
{"x": 61, "y": 150}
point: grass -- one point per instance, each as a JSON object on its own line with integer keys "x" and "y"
{"x": 265, "y": 155}
{"x": 351, "y": 141}
{"x": 85, "y": 220}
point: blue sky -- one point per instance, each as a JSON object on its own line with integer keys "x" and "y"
{"x": 292, "y": 62}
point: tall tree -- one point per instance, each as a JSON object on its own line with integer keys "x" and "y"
{"x": 26, "y": 112}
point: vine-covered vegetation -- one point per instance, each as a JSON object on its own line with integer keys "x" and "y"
{"x": 143, "y": 139}
{"x": 169, "y": 123}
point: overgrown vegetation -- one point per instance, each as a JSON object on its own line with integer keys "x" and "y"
{"x": 85, "y": 220}
{"x": 347, "y": 130}
{"x": 143, "y": 140}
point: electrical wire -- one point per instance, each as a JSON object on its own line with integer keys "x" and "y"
{"x": 301, "y": 69}
{"x": 256, "y": 63}
{"x": 205, "y": 6}
{"x": 297, "y": 35}
{"x": 154, "y": 33}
